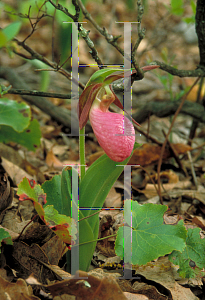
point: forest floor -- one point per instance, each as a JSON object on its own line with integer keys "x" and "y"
{"x": 31, "y": 265}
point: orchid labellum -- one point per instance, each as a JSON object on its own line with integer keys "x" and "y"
{"x": 115, "y": 132}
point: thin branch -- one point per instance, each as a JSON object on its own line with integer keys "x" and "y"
{"x": 37, "y": 93}
{"x": 63, "y": 9}
{"x": 141, "y": 35}
{"x": 36, "y": 55}
{"x": 103, "y": 31}
{"x": 85, "y": 35}
{"x": 175, "y": 155}
{"x": 192, "y": 169}
{"x": 199, "y": 72}
{"x": 37, "y": 19}
{"x": 77, "y": 11}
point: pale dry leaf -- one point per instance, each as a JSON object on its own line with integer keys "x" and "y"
{"x": 162, "y": 271}
{"x": 17, "y": 291}
{"x": 132, "y": 296}
{"x": 52, "y": 161}
{"x": 15, "y": 172}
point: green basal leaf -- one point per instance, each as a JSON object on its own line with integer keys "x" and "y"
{"x": 93, "y": 190}
{"x": 192, "y": 260}
{"x": 52, "y": 188}
{"x": 98, "y": 181}
{"x": 16, "y": 114}
{"x": 29, "y": 138}
{"x": 59, "y": 191}
{"x": 5, "y": 238}
{"x": 3, "y": 39}
{"x": 87, "y": 233}
{"x": 150, "y": 237}
{"x": 11, "y": 30}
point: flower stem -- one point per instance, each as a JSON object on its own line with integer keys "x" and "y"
{"x": 82, "y": 151}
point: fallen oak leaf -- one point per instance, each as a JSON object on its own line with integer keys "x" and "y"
{"x": 17, "y": 291}
{"x": 150, "y": 153}
{"x": 89, "y": 288}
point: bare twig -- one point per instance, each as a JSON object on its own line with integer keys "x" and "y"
{"x": 37, "y": 19}
{"x": 175, "y": 154}
{"x": 103, "y": 31}
{"x": 85, "y": 35}
{"x": 77, "y": 11}
{"x": 192, "y": 169}
{"x": 150, "y": 177}
{"x": 36, "y": 55}
{"x": 63, "y": 9}
{"x": 199, "y": 72}
{"x": 37, "y": 93}
{"x": 141, "y": 35}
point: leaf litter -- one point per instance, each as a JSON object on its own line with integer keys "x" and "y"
{"x": 160, "y": 277}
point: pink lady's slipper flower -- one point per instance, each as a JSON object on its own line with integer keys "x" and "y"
{"x": 115, "y": 133}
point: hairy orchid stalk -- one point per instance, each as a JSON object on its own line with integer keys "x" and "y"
{"x": 114, "y": 132}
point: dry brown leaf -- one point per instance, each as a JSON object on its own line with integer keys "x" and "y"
{"x": 132, "y": 296}
{"x": 150, "y": 153}
{"x": 52, "y": 161}
{"x": 33, "y": 260}
{"x": 6, "y": 192}
{"x": 146, "y": 290}
{"x": 146, "y": 154}
{"x": 15, "y": 172}
{"x": 65, "y": 297}
{"x": 17, "y": 291}
{"x": 163, "y": 273}
{"x": 88, "y": 289}
{"x": 36, "y": 233}
{"x": 199, "y": 221}
{"x": 54, "y": 249}
{"x": 49, "y": 131}
{"x": 13, "y": 157}
{"x": 150, "y": 190}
